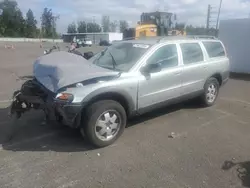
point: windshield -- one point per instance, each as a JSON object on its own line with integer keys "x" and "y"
{"x": 120, "y": 56}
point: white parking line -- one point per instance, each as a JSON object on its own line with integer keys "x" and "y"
{"x": 235, "y": 100}
{"x": 203, "y": 125}
{"x": 5, "y": 101}
{"x": 233, "y": 115}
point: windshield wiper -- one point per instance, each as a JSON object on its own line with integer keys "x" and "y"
{"x": 113, "y": 60}
{"x": 98, "y": 58}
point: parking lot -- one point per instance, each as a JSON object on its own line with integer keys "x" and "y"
{"x": 183, "y": 145}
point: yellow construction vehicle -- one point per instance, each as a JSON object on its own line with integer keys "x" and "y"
{"x": 150, "y": 30}
{"x": 145, "y": 30}
{"x": 153, "y": 24}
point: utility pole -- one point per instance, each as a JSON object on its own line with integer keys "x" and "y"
{"x": 212, "y": 21}
{"x": 218, "y": 17}
{"x": 54, "y": 19}
{"x": 208, "y": 16}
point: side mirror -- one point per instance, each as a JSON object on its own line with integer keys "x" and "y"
{"x": 151, "y": 68}
{"x": 88, "y": 55}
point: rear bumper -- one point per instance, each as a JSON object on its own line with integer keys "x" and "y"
{"x": 225, "y": 77}
{"x": 224, "y": 81}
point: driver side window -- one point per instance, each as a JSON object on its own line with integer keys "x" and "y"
{"x": 166, "y": 55}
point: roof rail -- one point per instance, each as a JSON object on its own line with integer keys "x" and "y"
{"x": 203, "y": 36}
{"x": 171, "y": 37}
{"x": 186, "y": 37}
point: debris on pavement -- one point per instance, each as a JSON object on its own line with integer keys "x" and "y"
{"x": 172, "y": 135}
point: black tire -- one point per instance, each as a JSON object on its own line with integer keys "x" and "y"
{"x": 209, "y": 83}
{"x": 94, "y": 112}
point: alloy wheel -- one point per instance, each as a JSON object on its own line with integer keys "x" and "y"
{"x": 108, "y": 125}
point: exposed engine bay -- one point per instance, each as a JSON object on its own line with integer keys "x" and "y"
{"x": 71, "y": 49}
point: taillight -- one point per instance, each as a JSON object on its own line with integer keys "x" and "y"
{"x": 225, "y": 49}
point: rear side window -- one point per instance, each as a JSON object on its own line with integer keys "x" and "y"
{"x": 214, "y": 49}
{"x": 192, "y": 53}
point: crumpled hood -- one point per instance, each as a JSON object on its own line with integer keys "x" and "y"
{"x": 60, "y": 69}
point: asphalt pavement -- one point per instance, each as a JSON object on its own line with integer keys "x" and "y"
{"x": 181, "y": 146}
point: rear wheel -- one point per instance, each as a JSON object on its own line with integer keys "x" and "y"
{"x": 211, "y": 91}
{"x": 106, "y": 121}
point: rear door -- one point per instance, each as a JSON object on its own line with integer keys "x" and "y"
{"x": 217, "y": 63}
{"x": 194, "y": 67}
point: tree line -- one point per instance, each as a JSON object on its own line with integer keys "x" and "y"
{"x": 191, "y": 30}
{"x": 91, "y": 27}
{"x": 14, "y": 24}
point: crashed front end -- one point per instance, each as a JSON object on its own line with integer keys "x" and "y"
{"x": 47, "y": 91}
{"x": 34, "y": 95}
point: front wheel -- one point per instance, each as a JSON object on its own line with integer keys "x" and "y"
{"x": 106, "y": 121}
{"x": 211, "y": 91}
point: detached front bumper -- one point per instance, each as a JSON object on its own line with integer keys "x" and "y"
{"x": 70, "y": 113}
{"x": 29, "y": 98}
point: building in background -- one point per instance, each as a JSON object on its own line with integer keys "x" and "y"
{"x": 94, "y": 37}
{"x": 235, "y": 35}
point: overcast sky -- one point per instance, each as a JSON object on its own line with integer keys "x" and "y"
{"x": 188, "y": 11}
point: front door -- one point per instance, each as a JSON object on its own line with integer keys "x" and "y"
{"x": 164, "y": 84}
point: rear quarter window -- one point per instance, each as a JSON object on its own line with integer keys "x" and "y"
{"x": 192, "y": 53}
{"x": 214, "y": 49}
